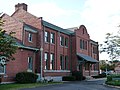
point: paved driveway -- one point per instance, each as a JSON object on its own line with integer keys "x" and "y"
{"x": 83, "y": 85}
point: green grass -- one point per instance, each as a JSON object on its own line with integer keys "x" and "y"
{"x": 20, "y": 86}
{"x": 114, "y": 83}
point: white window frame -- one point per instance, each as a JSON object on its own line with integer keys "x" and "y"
{"x": 52, "y": 38}
{"x": 30, "y": 37}
{"x": 2, "y": 64}
{"x": 29, "y": 62}
{"x": 4, "y": 69}
{"x": 51, "y": 61}
{"x": 46, "y": 37}
{"x": 46, "y": 60}
{"x": 62, "y": 40}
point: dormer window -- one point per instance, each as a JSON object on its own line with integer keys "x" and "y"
{"x": 30, "y": 37}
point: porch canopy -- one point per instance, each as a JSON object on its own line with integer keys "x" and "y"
{"x": 87, "y": 58}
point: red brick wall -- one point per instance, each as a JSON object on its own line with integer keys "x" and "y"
{"x": 28, "y": 18}
{"x": 20, "y": 63}
{"x": 34, "y": 39}
{"x": 11, "y": 24}
{"x": 56, "y": 48}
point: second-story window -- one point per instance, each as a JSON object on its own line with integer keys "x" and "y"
{"x": 95, "y": 50}
{"x": 61, "y": 40}
{"x": 66, "y": 42}
{"x": 81, "y": 44}
{"x": 46, "y": 36}
{"x": 30, "y": 37}
{"x": 52, "y": 38}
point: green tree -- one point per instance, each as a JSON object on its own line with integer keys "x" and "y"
{"x": 7, "y": 43}
{"x": 111, "y": 46}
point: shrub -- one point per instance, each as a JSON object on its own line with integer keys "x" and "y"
{"x": 109, "y": 78}
{"x": 83, "y": 78}
{"x": 68, "y": 78}
{"x": 100, "y": 76}
{"x": 26, "y": 77}
{"x": 78, "y": 75}
{"x": 113, "y": 80}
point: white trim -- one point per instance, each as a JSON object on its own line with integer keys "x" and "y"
{"x": 29, "y": 70}
{"x": 56, "y": 70}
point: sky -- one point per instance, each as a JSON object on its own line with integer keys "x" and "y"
{"x": 99, "y": 16}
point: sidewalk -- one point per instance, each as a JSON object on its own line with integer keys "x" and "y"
{"x": 104, "y": 82}
{"x": 93, "y": 79}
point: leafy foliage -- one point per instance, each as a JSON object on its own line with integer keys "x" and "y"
{"x": 7, "y": 43}
{"x": 111, "y": 46}
{"x": 68, "y": 78}
{"x": 26, "y": 77}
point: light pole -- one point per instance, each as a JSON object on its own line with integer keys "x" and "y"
{"x": 41, "y": 51}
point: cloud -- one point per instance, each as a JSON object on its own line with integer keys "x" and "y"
{"x": 46, "y": 9}
{"x": 101, "y": 16}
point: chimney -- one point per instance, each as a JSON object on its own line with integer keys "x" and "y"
{"x": 21, "y": 6}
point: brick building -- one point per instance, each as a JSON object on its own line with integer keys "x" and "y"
{"x": 64, "y": 50}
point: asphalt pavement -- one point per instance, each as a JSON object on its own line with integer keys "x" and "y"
{"x": 95, "y": 84}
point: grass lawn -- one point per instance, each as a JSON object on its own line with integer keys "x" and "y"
{"x": 114, "y": 83}
{"x": 20, "y": 86}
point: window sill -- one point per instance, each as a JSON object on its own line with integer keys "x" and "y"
{"x": 29, "y": 70}
{"x": 30, "y": 41}
{"x": 56, "y": 70}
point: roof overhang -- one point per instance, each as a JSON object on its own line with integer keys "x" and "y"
{"x": 87, "y": 58}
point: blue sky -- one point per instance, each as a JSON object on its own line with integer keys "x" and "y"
{"x": 99, "y": 16}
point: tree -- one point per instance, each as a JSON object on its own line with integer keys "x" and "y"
{"x": 111, "y": 46}
{"x": 7, "y": 43}
{"x": 103, "y": 65}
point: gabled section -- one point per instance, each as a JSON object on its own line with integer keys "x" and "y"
{"x": 24, "y": 16}
{"x": 12, "y": 24}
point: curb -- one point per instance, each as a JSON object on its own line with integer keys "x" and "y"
{"x": 111, "y": 86}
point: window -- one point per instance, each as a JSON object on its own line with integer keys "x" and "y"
{"x": 46, "y": 60}
{"x": 52, "y": 38}
{"x": 81, "y": 44}
{"x": 86, "y": 45}
{"x": 30, "y": 63}
{"x": 2, "y": 69}
{"x": 66, "y": 62}
{"x": 46, "y": 36}
{"x": 66, "y": 42}
{"x": 52, "y": 61}
{"x": 83, "y": 31}
{"x": 61, "y": 40}
{"x": 61, "y": 62}
{"x": 30, "y": 37}
{"x": 95, "y": 50}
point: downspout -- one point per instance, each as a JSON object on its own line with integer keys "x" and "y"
{"x": 71, "y": 52}
{"x": 41, "y": 53}
{"x": 23, "y": 32}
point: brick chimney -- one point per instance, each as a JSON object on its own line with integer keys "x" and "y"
{"x": 21, "y": 6}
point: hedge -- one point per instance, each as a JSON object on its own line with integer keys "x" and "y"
{"x": 26, "y": 77}
{"x": 68, "y": 78}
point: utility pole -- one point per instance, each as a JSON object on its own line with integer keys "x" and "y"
{"x": 41, "y": 51}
